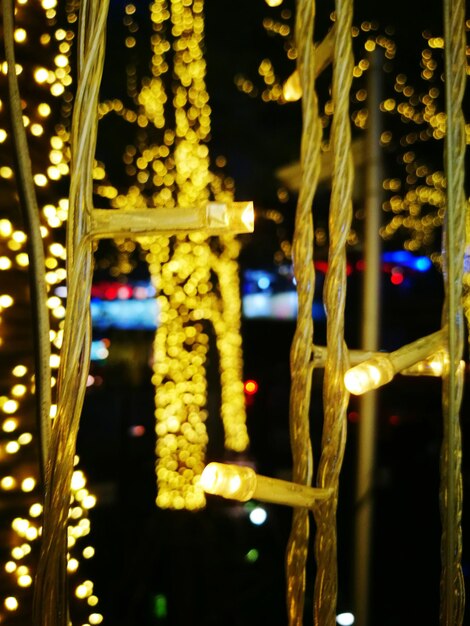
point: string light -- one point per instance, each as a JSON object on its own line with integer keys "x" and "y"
{"x": 47, "y": 83}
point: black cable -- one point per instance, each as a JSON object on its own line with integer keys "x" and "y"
{"x": 30, "y": 213}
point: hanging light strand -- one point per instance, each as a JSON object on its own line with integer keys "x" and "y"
{"x": 301, "y": 353}
{"x": 335, "y": 395}
{"x": 452, "y": 585}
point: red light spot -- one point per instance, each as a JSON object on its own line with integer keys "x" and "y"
{"x": 110, "y": 292}
{"x": 360, "y": 265}
{"x": 137, "y": 431}
{"x": 353, "y": 416}
{"x": 396, "y": 278}
{"x": 394, "y": 420}
{"x": 251, "y": 387}
{"x": 322, "y": 266}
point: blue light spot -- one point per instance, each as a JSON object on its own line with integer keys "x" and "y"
{"x": 423, "y": 264}
{"x": 264, "y": 282}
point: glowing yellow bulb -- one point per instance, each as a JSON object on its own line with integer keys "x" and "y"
{"x": 292, "y": 89}
{"x": 6, "y": 172}
{"x": 22, "y": 259}
{"x": 6, "y": 301}
{"x": 72, "y": 565}
{"x": 40, "y": 180}
{"x": 9, "y": 407}
{"x": 10, "y": 567}
{"x": 78, "y": 480}
{"x": 54, "y": 361}
{"x": 36, "y": 130}
{"x": 5, "y": 263}
{"x": 95, "y": 618}
{"x": 35, "y": 509}
{"x": 274, "y": 3}
{"x": 7, "y": 483}
{"x": 41, "y": 75}
{"x": 61, "y": 60}
{"x": 229, "y": 481}
{"x": 25, "y": 580}
{"x": 12, "y": 447}
{"x": 6, "y": 228}
{"x": 3, "y": 135}
{"x": 28, "y": 484}
{"x": 11, "y": 603}
{"x": 25, "y": 438}
{"x": 44, "y": 109}
{"x": 49, "y": 4}
{"x": 88, "y": 552}
{"x": 369, "y": 375}
{"x": 18, "y": 390}
{"x": 20, "y": 35}
{"x": 89, "y": 502}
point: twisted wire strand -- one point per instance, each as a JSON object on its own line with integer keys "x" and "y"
{"x": 50, "y": 594}
{"x": 452, "y": 585}
{"x": 301, "y": 353}
{"x": 335, "y": 396}
{"x": 30, "y": 212}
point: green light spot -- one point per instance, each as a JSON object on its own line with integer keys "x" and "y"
{"x": 160, "y": 607}
{"x": 252, "y": 555}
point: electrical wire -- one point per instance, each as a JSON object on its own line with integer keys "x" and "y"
{"x": 30, "y": 212}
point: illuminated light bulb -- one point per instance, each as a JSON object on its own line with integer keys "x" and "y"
{"x": 20, "y": 35}
{"x": 53, "y": 411}
{"x": 6, "y": 228}
{"x": 292, "y": 89}
{"x": 380, "y": 369}
{"x": 5, "y": 263}
{"x": 78, "y": 480}
{"x": 72, "y": 565}
{"x": 229, "y": 481}
{"x": 12, "y": 447}
{"x": 274, "y": 3}
{"x": 19, "y": 371}
{"x": 54, "y": 361}
{"x": 7, "y": 483}
{"x": 369, "y": 375}
{"x": 95, "y": 618}
{"x": 10, "y": 567}
{"x": 25, "y": 438}
{"x": 88, "y": 552}
{"x": 44, "y": 109}
{"x": 28, "y": 484}
{"x": 89, "y": 502}
{"x": 92, "y": 601}
{"x": 242, "y": 483}
{"x": 32, "y": 533}
{"x": 345, "y": 619}
{"x": 35, "y": 510}
{"x": 40, "y": 180}
{"x": 10, "y": 425}
{"x": 6, "y": 301}
{"x": 25, "y": 580}
{"x": 9, "y": 407}
{"x": 17, "y": 553}
{"x": 20, "y": 525}
{"x": 41, "y": 75}
{"x": 18, "y": 390}
{"x": 36, "y": 130}
{"x": 11, "y": 603}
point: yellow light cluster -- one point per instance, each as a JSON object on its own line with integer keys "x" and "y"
{"x": 16, "y": 401}
{"x": 197, "y": 286}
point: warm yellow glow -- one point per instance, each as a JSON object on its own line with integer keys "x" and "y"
{"x": 41, "y": 75}
{"x": 7, "y": 483}
{"x": 229, "y": 481}
{"x": 11, "y": 603}
{"x": 10, "y": 425}
{"x": 72, "y": 565}
{"x": 274, "y": 3}
{"x": 19, "y": 371}
{"x": 28, "y": 484}
{"x": 369, "y": 375}
{"x": 10, "y": 407}
{"x": 95, "y": 618}
{"x": 25, "y": 580}
{"x": 20, "y": 35}
{"x": 292, "y": 89}
{"x": 10, "y": 566}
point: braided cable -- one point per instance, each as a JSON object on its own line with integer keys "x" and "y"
{"x": 301, "y": 353}
{"x": 452, "y": 586}
{"x": 335, "y": 396}
{"x": 51, "y": 597}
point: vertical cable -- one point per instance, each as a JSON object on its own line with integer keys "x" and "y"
{"x": 51, "y": 591}
{"x": 300, "y": 357}
{"x": 335, "y": 396}
{"x": 30, "y": 212}
{"x": 452, "y": 587}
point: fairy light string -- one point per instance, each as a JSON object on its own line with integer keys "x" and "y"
{"x": 300, "y": 358}
{"x": 452, "y": 585}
